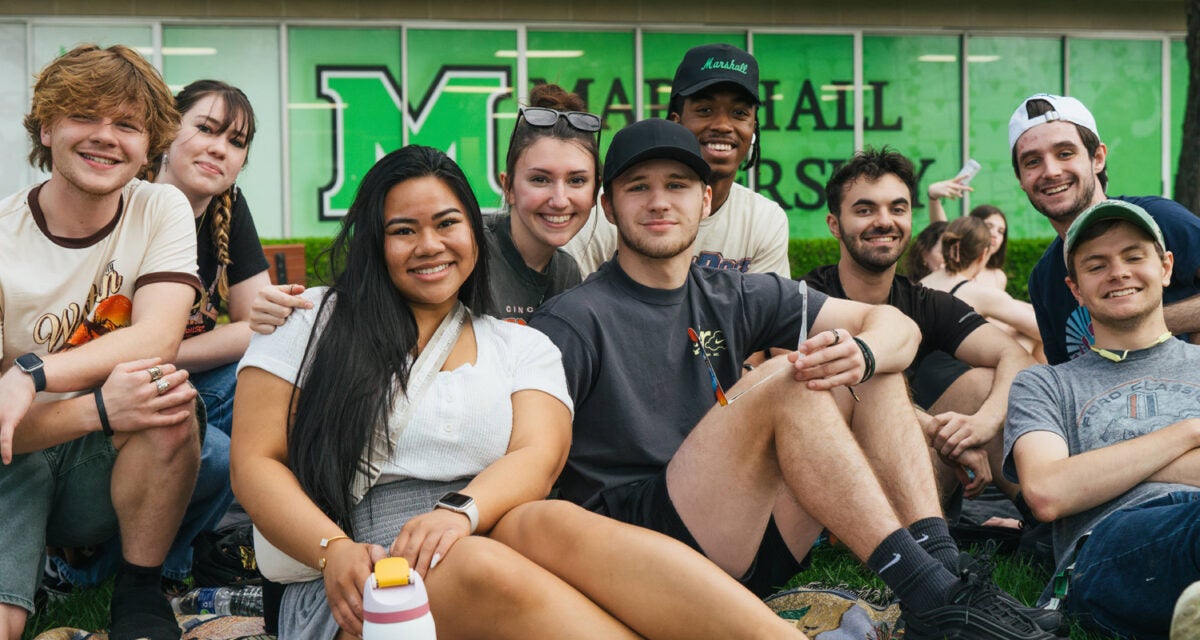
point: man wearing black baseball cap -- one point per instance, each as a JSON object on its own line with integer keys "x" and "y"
{"x": 751, "y": 475}
{"x": 715, "y": 96}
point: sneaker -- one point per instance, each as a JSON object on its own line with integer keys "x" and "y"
{"x": 54, "y": 588}
{"x": 1050, "y": 620}
{"x": 1185, "y": 624}
{"x": 974, "y": 610}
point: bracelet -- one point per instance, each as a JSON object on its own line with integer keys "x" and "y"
{"x": 325, "y": 545}
{"x": 868, "y": 358}
{"x": 104, "y": 425}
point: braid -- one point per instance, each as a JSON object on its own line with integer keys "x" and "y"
{"x": 220, "y": 234}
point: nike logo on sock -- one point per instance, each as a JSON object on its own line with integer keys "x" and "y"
{"x": 895, "y": 559}
{"x": 924, "y": 538}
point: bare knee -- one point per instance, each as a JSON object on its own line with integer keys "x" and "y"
{"x": 478, "y": 565}
{"x": 12, "y": 621}
{"x": 174, "y": 440}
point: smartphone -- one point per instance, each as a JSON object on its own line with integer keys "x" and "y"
{"x": 970, "y": 168}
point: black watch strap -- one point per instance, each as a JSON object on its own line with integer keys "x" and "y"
{"x": 30, "y": 363}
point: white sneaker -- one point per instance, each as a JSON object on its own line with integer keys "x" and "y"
{"x": 1185, "y": 624}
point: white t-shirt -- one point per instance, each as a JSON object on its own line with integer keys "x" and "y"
{"x": 749, "y": 233}
{"x": 464, "y": 421}
{"x": 58, "y": 293}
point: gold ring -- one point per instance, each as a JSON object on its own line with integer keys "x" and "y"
{"x": 162, "y": 386}
{"x": 155, "y": 373}
{"x": 837, "y": 337}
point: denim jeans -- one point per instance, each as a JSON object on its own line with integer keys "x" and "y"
{"x": 1134, "y": 566}
{"x": 210, "y": 499}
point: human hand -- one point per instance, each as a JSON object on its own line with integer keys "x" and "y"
{"x": 828, "y": 359}
{"x": 427, "y": 538}
{"x": 956, "y": 432}
{"x": 272, "y": 305}
{"x": 980, "y": 472}
{"x": 952, "y": 189}
{"x": 16, "y": 396}
{"x": 133, "y": 402}
{"x": 348, "y": 564}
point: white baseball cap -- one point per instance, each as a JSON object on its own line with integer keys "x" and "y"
{"x": 1061, "y": 108}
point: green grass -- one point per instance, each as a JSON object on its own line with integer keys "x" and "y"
{"x": 830, "y": 566}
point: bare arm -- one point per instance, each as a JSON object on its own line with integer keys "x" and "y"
{"x": 952, "y": 189}
{"x": 226, "y": 342}
{"x": 1183, "y": 316}
{"x": 1057, "y": 484}
{"x": 989, "y": 347}
{"x": 994, "y": 303}
{"x": 831, "y": 358}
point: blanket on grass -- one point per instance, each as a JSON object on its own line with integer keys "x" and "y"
{"x": 195, "y": 627}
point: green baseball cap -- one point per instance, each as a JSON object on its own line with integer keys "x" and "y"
{"x": 1111, "y": 210}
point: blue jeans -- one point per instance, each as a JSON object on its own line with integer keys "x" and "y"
{"x": 1134, "y": 566}
{"x": 210, "y": 499}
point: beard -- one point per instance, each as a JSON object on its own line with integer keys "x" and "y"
{"x": 873, "y": 259}
{"x": 1067, "y": 214}
{"x": 655, "y": 248}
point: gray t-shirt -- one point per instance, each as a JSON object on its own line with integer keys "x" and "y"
{"x": 516, "y": 289}
{"x": 1092, "y": 403}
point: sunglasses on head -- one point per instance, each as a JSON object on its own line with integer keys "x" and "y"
{"x": 545, "y": 117}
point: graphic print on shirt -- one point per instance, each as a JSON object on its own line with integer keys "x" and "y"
{"x": 1137, "y": 408}
{"x": 1080, "y": 336}
{"x": 713, "y": 341}
{"x": 203, "y": 316}
{"x": 715, "y": 260}
{"x": 104, "y": 311}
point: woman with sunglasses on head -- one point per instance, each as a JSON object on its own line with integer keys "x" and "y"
{"x": 550, "y": 184}
{"x": 352, "y": 420}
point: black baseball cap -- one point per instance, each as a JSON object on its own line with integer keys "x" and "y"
{"x": 653, "y": 139}
{"x": 710, "y": 64}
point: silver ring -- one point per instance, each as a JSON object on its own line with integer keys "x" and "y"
{"x": 837, "y": 337}
{"x": 155, "y": 373}
{"x": 162, "y": 386}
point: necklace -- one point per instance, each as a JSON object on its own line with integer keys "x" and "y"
{"x": 1109, "y": 355}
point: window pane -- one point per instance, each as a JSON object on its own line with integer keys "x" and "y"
{"x": 1001, "y": 73}
{"x": 221, "y": 53}
{"x": 15, "y": 171}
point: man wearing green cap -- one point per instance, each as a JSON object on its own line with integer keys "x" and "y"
{"x": 1107, "y": 446}
{"x": 715, "y": 95}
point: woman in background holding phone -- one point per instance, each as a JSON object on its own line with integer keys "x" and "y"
{"x": 993, "y": 274}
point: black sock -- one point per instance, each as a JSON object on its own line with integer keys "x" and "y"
{"x": 920, "y": 581}
{"x": 139, "y": 609}
{"x": 933, "y": 534}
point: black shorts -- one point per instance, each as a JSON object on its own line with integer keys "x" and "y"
{"x": 646, "y": 503}
{"x": 934, "y": 375}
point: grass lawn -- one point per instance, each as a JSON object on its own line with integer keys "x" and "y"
{"x": 831, "y": 566}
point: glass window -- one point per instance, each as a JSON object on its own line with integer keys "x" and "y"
{"x": 15, "y": 171}
{"x": 344, "y": 112}
{"x": 1179, "y": 90}
{"x": 807, "y": 122}
{"x": 1002, "y": 72}
{"x": 912, "y": 95}
{"x": 1120, "y": 81}
{"x": 222, "y": 53}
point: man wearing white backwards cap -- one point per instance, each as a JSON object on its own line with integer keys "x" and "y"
{"x": 1061, "y": 164}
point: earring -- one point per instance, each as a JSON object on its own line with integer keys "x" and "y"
{"x": 165, "y": 159}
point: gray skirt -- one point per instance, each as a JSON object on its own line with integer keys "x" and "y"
{"x": 304, "y": 613}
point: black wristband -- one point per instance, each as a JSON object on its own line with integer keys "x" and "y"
{"x": 868, "y": 359}
{"x": 103, "y": 414}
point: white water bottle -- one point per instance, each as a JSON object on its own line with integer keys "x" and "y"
{"x": 395, "y": 605}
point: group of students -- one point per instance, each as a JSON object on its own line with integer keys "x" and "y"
{"x": 394, "y": 412}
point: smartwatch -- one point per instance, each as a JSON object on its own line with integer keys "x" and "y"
{"x": 460, "y": 503}
{"x": 31, "y": 364}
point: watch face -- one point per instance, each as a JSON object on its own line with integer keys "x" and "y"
{"x": 456, "y": 500}
{"x": 28, "y": 362}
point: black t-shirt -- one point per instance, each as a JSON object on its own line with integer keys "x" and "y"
{"x": 246, "y": 259}
{"x": 639, "y": 383}
{"x": 516, "y": 289}
{"x": 944, "y": 320}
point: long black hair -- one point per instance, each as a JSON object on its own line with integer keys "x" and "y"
{"x": 359, "y": 361}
